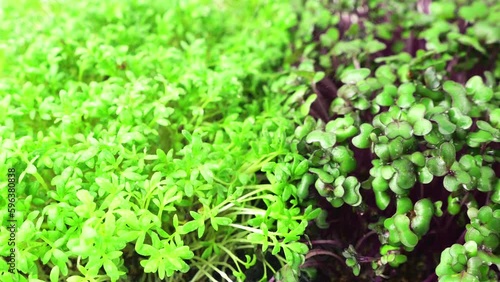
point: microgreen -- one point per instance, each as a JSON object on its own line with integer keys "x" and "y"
{"x": 214, "y": 140}
{"x": 408, "y": 109}
{"x": 154, "y": 137}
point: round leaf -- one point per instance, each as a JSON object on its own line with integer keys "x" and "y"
{"x": 422, "y": 127}
{"x": 354, "y": 75}
{"x": 448, "y": 153}
{"x": 437, "y": 166}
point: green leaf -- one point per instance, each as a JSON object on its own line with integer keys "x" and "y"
{"x": 352, "y": 196}
{"x": 403, "y": 205}
{"x": 431, "y": 79}
{"x": 353, "y": 76}
{"x": 318, "y": 76}
{"x": 382, "y": 199}
{"x": 467, "y": 162}
{"x": 298, "y": 247}
{"x": 206, "y": 173}
{"x": 483, "y": 125}
{"x": 424, "y": 210}
{"x": 54, "y": 274}
{"x": 87, "y": 154}
{"x": 329, "y": 37}
{"x": 461, "y": 120}
{"x": 437, "y": 166}
{"x": 405, "y": 100}
{"x": 31, "y": 169}
{"x": 184, "y": 252}
{"x": 111, "y": 269}
{"x": 301, "y": 168}
{"x": 407, "y": 237}
{"x": 385, "y": 75}
{"x": 306, "y": 106}
{"x": 345, "y": 158}
{"x": 495, "y": 118}
{"x": 458, "y": 96}
{"x": 380, "y": 184}
{"x": 444, "y": 124}
{"x": 479, "y": 137}
{"x": 398, "y": 128}
{"x": 84, "y": 196}
{"x": 348, "y": 91}
{"x": 287, "y": 274}
{"x": 374, "y": 46}
{"x": 481, "y": 93}
{"x": 216, "y": 221}
{"x": 326, "y": 139}
{"x": 349, "y": 48}
{"x": 422, "y": 127}
{"x": 384, "y": 99}
{"x": 323, "y": 175}
{"x": 416, "y": 113}
{"x": 405, "y": 177}
{"x": 448, "y": 153}
{"x": 477, "y": 10}
{"x": 471, "y": 41}
{"x": 451, "y": 183}
{"x": 189, "y": 227}
{"x": 362, "y": 141}
{"x": 418, "y": 159}
{"x": 387, "y": 172}
{"x": 256, "y": 239}
{"x": 443, "y": 10}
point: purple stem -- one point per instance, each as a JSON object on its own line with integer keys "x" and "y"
{"x": 313, "y": 253}
{"x": 431, "y": 278}
{"x": 326, "y": 242}
{"x": 364, "y": 238}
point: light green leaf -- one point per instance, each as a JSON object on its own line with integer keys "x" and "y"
{"x": 353, "y": 76}
{"x": 326, "y": 139}
{"x": 458, "y": 96}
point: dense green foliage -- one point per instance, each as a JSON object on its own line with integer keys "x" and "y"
{"x": 137, "y": 128}
{"x": 409, "y": 137}
{"x": 225, "y": 140}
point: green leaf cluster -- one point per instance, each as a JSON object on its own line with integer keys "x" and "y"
{"x": 152, "y": 130}
{"x": 423, "y": 120}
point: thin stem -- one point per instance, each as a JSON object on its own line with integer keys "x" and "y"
{"x": 228, "y": 203}
{"x": 247, "y": 211}
{"x": 202, "y": 271}
{"x": 240, "y": 200}
{"x": 251, "y": 229}
{"x": 366, "y": 259}
{"x": 313, "y": 253}
{"x": 252, "y": 168}
{"x": 364, "y": 238}
{"x": 461, "y": 239}
{"x": 235, "y": 259}
{"x": 355, "y": 62}
{"x": 41, "y": 180}
{"x": 326, "y": 242}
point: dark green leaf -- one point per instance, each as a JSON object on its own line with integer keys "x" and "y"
{"x": 448, "y": 153}
{"x": 437, "y": 166}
